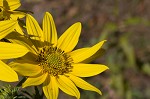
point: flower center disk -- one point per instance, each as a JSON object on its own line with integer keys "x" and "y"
{"x": 54, "y": 61}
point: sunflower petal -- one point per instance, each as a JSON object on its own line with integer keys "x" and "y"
{"x": 98, "y": 54}
{"x": 83, "y": 84}
{"x": 50, "y": 88}
{"x": 35, "y": 80}
{"x": 16, "y": 38}
{"x": 87, "y": 70}
{"x": 84, "y": 53}
{"x": 30, "y": 48}
{"x": 7, "y": 27}
{"x": 34, "y": 30}
{"x": 67, "y": 86}
{"x": 1, "y": 3}
{"x": 49, "y": 29}
{"x": 9, "y": 50}
{"x": 16, "y": 14}
{"x": 7, "y": 74}
{"x": 11, "y": 4}
{"x": 26, "y": 69}
{"x": 30, "y": 57}
{"x": 70, "y": 37}
{"x": 19, "y": 29}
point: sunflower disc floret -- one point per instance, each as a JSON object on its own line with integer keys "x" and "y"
{"x": 54, "y": 61}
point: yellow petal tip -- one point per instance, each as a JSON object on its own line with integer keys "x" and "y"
{"x": 47, "y": 13}
{"x": 28, "y": 15}
{"x": 78, "y": 23}
{"x": 104, "y": 40}
{"x": 106, "y": 67}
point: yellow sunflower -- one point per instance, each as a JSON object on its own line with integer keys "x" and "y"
{"x": 8, "y": 12}
{"x": 9, "y": 51}
{"x": 51, "y": 61}
{"x": 7, "y": 8}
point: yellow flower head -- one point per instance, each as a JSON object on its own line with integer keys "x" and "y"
{"x": 52, "y": 62}
{"x": 9, "y": 51}
{"x": 7, "y": 8}
{"x": 8, "y": 17}
{"x": 8, "y": 22}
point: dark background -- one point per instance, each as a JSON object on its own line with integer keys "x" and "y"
{"x": 125, "y": 24}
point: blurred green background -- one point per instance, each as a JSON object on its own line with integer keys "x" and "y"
{"x": 126, "y": 26}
